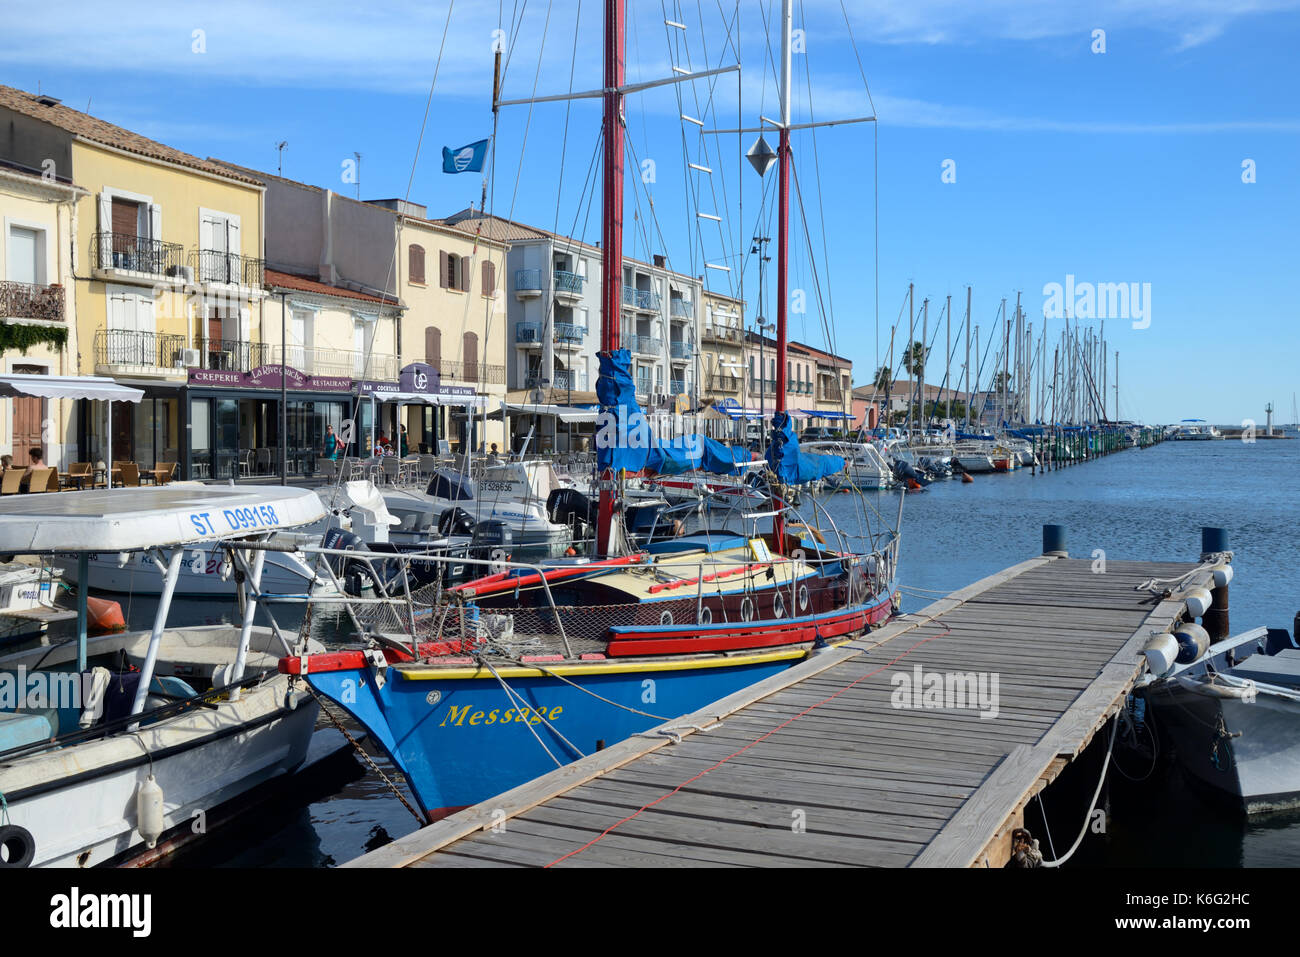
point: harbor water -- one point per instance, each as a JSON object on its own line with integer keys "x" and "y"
{"x": 1135, "y": 505}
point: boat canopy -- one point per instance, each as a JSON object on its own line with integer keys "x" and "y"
{"x": 565, "y": 413}
{"x": 67, "y": 387}
{"x": 133, "y": 519}
{"x": 625, "y": 442}
{"x": 790, "y": 464}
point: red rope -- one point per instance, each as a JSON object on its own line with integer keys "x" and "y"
{"x": 764, "y": 736}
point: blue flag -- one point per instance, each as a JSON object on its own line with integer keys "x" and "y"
{"x": 466, "y": 159}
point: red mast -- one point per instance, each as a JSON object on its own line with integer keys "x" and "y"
{"x": 612, "y": 227}
{"x": 783, "y": 233}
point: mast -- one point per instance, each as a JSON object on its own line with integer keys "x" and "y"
{"x": 947, "y": 359}
{"x": 783, "y": 231}
{"x": 612, "y": 226}
{"x": 968, "y": 290}
{"x": 911, "y": 360}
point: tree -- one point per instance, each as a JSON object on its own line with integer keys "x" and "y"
{"x": 914, "y": 360}
{"x": 1000, "y": 380}
{"x": 884, "y": 379}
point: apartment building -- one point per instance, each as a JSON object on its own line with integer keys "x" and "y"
{"x": 37, "y": 312}
{"x": 169, "y": 268}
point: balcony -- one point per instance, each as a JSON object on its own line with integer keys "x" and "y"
{"x": 642, "y": 300}
{"x": 831, "y": 393}
{"x": 126, "y": 352}
{"x": 338, "y": 363}
{"x": 127, "y": 256}
{"x": 231, "y": 355}
{"x": 767, "y": 386}
{"x": 568, "y": 286}
{"x": 724, "y": 383}
{"x": 477, "y": 372}
{"x": 677, "y": 386}
{"x": 528, "y": 283}
{"x": 567, "y": 379}
{"x": 21, "y": 300}
{"x": 528, "y": 334}
{"x": 680, "y": 349}
{"x": 720, "y": 334}
{"x": 642, "y": 385}
{"x": 645, "y": 345}
{"x": 681, "y": 309}
{"x": 215, "y": 266}
{"x": 569, "y": 335}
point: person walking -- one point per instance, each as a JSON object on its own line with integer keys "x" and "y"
{"x": 333, "y": 444}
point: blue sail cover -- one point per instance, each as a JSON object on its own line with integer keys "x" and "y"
{"x": 792, "y": 466}
{"x": 624, "y": 440}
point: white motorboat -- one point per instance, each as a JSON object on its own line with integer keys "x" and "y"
{"x": 114, "y": 745}
{"x": 1233, "y": 719}
{"x": 1195, "y": 430}
{"x": 27, "y": 594}
{"x": 865, "y": 467}
{"x": 512, "y": 493}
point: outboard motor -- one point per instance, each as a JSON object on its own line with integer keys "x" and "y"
{"x": 455, "y": 521}
{"x": 568, "y": 506}
{"x": 353, "y": 574}
{"x": 492, "y": 541}
{"x": 903, "y": 471}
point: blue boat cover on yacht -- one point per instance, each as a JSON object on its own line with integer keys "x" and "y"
{"x": 792, "y": 466}
{"x": 624, "y": 440}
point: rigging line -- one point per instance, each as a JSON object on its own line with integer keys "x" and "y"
{"x": 821, "y": 209}
{"x": 368, "y": 351}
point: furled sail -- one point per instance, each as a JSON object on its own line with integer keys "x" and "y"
{"x": 793, "y": 466}
{"x": 625, "y": 441}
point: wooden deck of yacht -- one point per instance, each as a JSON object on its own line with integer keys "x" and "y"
{"x": 816, "y": 767}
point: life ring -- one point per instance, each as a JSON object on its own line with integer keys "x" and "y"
{"x": 19, "y": 846}
{"x": 747, "y": 609}
{"x": 803, "y": 597}
{"x": 666, "y": 618}
{"x": 778, "y": 605}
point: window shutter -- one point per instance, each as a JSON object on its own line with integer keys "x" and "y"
{"x": 489, "y": 277}
{"x": 416, "y": 266}
{"x": 470, "y": 356}
{"x": 155, "y": 221}
{"x": 433, "y": 347}
{"x": 462, "y": 273}
{"x": 443, "y": 268}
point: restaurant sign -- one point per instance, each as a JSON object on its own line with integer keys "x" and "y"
{"x": 269, "y": 377}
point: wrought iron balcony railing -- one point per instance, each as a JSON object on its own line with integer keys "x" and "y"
{"x": 724, "y": 383}
{"x": 232, "y": 355}
{"x": 677, "y": 386}
{"x": 479, "y": 372}
{"x": 528, "y": 332}
{"x": 22, "y": 300}
{"x": 127, "y": 347}
{"x": 682, "y": 309}
{"x": 640, "y": 299}
{"x": 213, "y": 265}
{"x": 680, "y": 349}
{"x": 528, "y": 280}
{"x": 133, "y": 253}
{"x": 720, "y": 333}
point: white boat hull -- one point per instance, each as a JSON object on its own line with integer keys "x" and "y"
{"x": 79, "y": 804}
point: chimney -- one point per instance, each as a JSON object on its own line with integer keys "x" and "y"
{"x": 659, "y": 260}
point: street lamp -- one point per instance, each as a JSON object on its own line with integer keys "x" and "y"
{"x": 759, "y": 248}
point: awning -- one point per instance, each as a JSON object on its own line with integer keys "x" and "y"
{"x": 565, "y": 413}
{"x": 67, "y": 387}
{"x": 737, "y": 413}
{"x": 821, "y": 414}
{"x": 430, "y": 398}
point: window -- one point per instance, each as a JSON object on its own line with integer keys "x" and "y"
{"x": 489, "y": 278}
{"x": 452, "y": 272}
{"x": 416, "y": 263}
{"x": 25, "y": 255}
{"x": 126, "y": 217}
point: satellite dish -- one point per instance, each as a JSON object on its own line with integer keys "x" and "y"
{"x": 760, "y": 155}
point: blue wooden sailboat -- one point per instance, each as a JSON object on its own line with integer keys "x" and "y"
{"x": 477, "y": 688}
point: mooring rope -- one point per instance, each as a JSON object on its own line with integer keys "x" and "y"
{"x": 1087, "y": 818}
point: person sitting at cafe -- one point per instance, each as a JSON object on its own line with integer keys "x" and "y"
{"x": 35, "y": 460}
{"x": 6, "y": 463}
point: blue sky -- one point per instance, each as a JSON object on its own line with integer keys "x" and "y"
{"x": 1122, "y": 166}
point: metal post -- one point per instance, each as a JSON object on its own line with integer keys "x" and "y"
{"x": 83, "y": 590}
{"x": 155, "y": 637}
{"x": 253, "y": 578}
{"x": 284, "y": 395}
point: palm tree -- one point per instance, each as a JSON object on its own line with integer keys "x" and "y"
{"x": 914, "y": 360}
{"x": 884, "y": 379}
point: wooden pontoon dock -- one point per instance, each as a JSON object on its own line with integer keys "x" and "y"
{"x": 817, "y": 767}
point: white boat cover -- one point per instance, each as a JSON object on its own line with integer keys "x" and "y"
{"x": 130, "y": 519}
{"x": 67, "y": 387}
